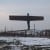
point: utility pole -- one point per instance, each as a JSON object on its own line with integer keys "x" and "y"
{"x": 34, "y": 28}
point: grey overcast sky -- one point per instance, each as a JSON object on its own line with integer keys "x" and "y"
{"x": 21, "y": 7}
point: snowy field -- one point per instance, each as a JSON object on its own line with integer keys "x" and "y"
{"x": 28, "y": 40}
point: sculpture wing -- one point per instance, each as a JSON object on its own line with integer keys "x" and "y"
{"x": 18, "y": 18}
{"x": 33, "y": 18}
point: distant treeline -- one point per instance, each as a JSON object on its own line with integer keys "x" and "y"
{"x": 15, "y": 34}
{"x": 7, "y": 34}
{"x": 44, "y": 33}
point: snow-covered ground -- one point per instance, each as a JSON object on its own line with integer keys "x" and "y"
{"x": 29, "y": 40}
{"x": 35, "y": 41}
